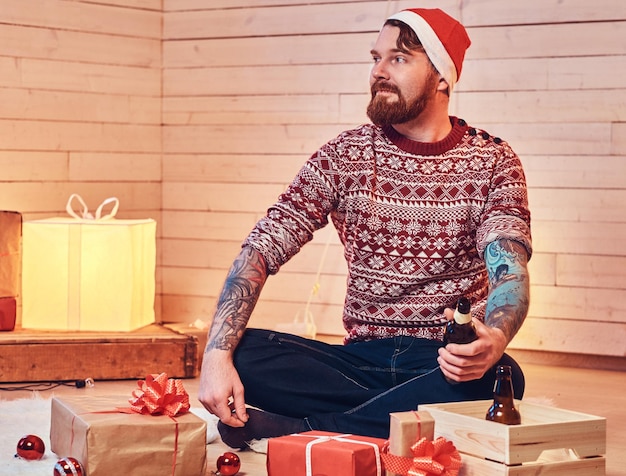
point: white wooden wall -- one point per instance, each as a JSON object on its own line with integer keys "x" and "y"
{"x": 199, "y": 113}
{"x": 80, "y": 105}
{"x": 251, "y": 88}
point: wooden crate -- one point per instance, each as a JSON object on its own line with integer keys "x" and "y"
{"x": 550, "y": 441}
{"x": 38, "y": 356}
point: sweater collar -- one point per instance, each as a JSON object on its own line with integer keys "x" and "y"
{"x": 459, "y": 127}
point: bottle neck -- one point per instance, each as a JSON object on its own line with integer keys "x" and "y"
{"x": 503, "y": 387}
{"x": 461, "y": 318}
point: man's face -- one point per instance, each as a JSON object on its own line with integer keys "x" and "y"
{"x": 402, "y": 82}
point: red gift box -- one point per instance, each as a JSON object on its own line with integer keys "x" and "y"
{"x": 322, "y": 453}
{"x": 8, "y": 309}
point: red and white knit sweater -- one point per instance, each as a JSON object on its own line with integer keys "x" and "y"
{"x": 414, "y": 218}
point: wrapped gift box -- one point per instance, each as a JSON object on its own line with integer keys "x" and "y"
{"x": 10, "y": 252}
{"x": 108, "y": 442}
{"x": 548, "y": 441}
{"x": 323, "y": 453}
{"x": 8, "y": 309}
{"x": 10, "y": 258}
{"x": 405, "y": 428}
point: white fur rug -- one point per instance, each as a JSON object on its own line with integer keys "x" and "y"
{"x": 32, "y": 416}
{"x": 19, "y": 418}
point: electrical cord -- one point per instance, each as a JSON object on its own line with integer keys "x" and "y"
{"x": 44, "y": 386}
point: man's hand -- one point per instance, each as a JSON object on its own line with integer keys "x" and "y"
{"x": 465, "y": 362}
{"x": 221, "y": 391}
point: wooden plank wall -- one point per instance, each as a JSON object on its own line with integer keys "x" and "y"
{"x": 251, "y": 88}
{"x": 199, "y": 113}
{"x": 80, "y": 105}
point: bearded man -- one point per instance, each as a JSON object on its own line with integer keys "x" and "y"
{"x": 428, "y": 209}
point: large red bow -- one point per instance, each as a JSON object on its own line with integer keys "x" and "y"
{"x": 430, "y": 458}
{"x": 158, "y": 395}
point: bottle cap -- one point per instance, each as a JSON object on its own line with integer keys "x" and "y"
{"x": 462, "y": 313}
{"x": 503, "y": 370}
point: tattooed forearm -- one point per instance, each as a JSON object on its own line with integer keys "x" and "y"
{"x": 509, "y": 292}
{"x": 239, "y": 295}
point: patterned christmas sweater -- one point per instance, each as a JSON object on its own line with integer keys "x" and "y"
{"x": 414, "y": 219}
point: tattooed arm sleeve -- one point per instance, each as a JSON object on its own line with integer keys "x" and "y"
{"x": 509, "y": 290}
{"x": 239, "y": 295}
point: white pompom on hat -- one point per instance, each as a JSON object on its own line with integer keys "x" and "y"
{"x": 444, "y": 39}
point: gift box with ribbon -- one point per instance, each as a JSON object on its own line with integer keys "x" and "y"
{"x": 322, "y": 453}
{"x": 405, "y": 428}
{"x": 152, "y": 432}
{"x": 10, "y": 256}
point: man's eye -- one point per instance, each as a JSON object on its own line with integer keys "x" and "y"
{"x": 400, "y": 59}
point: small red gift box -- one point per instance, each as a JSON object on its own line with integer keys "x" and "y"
{"x": 8, "y": 309}
{"x": 322, "y": 453}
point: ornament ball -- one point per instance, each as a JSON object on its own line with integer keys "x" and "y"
{"x": 69, "y": 466}
{"x": 31, "y": 447}
{"x": 228, "y": 464}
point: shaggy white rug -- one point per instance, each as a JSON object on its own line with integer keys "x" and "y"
{"x": 32, "y": 416}
{"x": 19, "y": 418}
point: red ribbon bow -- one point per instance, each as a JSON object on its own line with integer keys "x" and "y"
{"x": 430, "y": 458}
{"x": 158, "y": 395}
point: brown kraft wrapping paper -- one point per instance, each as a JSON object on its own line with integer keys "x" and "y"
{"x": 405, "y": 429}
{"x": 10, "y": 237}
{"x": 107, "y": 442}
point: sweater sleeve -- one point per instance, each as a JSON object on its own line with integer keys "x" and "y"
{"x": 506, "y": 214}
{"x": 299, "y": 211}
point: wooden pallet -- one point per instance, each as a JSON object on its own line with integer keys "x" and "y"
{"x": 43, "y": 356}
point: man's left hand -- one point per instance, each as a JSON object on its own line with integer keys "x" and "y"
{"x": 465, "y": 362}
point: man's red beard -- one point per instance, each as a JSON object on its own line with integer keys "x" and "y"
{"x": 383, "y": 111}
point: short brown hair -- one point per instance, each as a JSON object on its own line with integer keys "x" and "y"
{"x": 408, "y": 39}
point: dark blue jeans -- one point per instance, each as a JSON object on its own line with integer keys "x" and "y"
{"x": 351, "y": 388}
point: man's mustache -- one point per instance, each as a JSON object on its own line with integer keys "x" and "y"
{"x": 384, "y": 86}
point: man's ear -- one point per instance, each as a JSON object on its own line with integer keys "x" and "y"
{"x": 443, "y": 86}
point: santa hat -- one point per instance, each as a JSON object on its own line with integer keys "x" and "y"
{"x": 444, "y": 39}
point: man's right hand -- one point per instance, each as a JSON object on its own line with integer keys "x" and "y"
{"x": 221, "y": 391}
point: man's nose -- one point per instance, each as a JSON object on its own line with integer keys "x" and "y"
{"x": 379, "y": 70}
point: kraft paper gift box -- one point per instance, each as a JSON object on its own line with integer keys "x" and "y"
{"x": 322, "y": 453}
{"x": 10, "y": 256}
{"x": 107, "y": 442}
{"x": 406, "y": 428}
{"x": 88, "y": 274}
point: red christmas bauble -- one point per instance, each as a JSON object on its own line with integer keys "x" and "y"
{"x": 228, "y": 464}
{"x": 31, "y": 447}
{"x": 69, "y": 466}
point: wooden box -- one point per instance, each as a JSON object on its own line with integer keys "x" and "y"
{"x": 550, "y": 441}
{"x": 37, "y": 356}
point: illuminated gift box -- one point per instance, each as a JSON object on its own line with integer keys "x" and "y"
{"x": 108, "y": 442}
{"x": 324, "y": 453}
{"x": 88, "y": 274}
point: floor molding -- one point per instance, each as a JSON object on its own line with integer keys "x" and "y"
{"x": 566, "y": 359}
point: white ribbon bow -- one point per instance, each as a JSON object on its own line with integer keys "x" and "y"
{"x": 86, "y": 215}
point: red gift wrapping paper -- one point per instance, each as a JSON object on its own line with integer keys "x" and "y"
{"x": 322, "y": 453}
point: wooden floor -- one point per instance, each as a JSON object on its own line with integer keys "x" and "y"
{"x": 597, "y": 392}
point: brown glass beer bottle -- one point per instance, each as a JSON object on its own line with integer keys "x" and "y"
{"x": 503, "y": 408}
{"x": 460, "y": 330}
